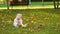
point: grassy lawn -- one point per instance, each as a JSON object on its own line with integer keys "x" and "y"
{"x": 40, "y": 3}
{"x": 41, "y": 21}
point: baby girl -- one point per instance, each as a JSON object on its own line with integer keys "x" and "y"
{"x": 18, "y": 21}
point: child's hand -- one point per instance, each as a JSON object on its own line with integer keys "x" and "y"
{"x": 19, "y": 24}
{"x": 25, "y": 25}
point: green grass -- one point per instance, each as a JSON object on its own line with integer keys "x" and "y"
{"x": 40, "y": 3}
{"x": 41, "y": 21}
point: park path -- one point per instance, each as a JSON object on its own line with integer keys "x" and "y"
{"x": 29, "y": 7}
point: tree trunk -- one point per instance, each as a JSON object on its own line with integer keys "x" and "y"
{"x": 42, "y": 2}
{"x": 7, "y": 5}
{"x": 54, "y": 1}
{"x": 57, "y": 4}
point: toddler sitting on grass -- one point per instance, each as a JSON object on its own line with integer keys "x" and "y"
{"x": 18, "y": 21}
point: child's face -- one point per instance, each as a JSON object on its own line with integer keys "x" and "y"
{"x": 18, "y": 18}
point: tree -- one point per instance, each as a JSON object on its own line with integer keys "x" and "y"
{"x": 56, "y": 5}
{"x": 42, "y": 2}
{"x": 7, "y": 4}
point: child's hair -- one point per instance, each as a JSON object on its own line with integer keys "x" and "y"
{"x": 18, "y": 15}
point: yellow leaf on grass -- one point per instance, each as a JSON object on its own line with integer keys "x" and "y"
{"x": 3, "y": 26}
{"x": 2, "y": 20}
{"x": 32, "y": 21}
{"x": 57, "y": 24}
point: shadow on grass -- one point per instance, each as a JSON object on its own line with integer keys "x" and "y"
{"x": 15, "y": 11}
{"x": 48, "y": 10}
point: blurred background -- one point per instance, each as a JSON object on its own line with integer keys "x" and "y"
{"x": 27, "y": 3}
